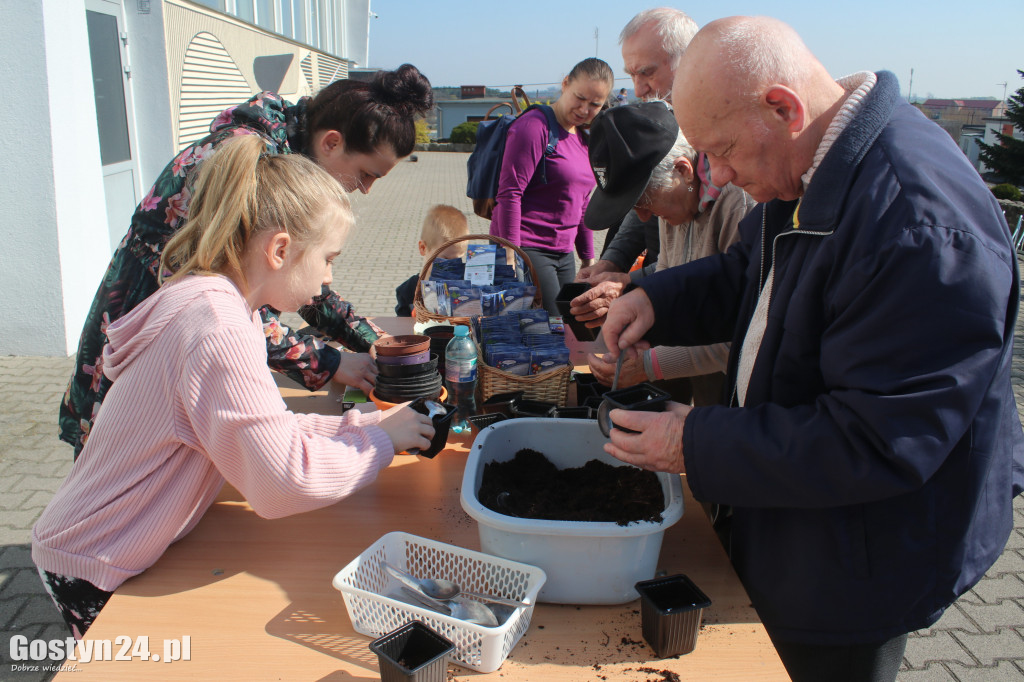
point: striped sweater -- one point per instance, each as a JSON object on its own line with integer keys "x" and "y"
{"x": 192, "y": 405}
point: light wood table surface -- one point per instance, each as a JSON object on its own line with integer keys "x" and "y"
{"x": 255, "y": 597}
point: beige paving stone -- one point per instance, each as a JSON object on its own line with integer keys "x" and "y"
{"x": 1006, "y": 644}
{"x": 938, "y": 647}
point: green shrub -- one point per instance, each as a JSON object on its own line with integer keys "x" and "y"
{"x": 1006, "y": 191}
{"x": 465, "y": 133}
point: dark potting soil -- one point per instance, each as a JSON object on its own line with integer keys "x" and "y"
{"x": 594, "y": 492}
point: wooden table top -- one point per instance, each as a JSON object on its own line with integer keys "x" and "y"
{"x": 255, "y": 599}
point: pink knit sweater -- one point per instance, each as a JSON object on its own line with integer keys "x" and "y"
{"x": 193, "y": 404}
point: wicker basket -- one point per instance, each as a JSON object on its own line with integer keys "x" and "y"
{"x": 420, "y": 311}
{"x": 551, "y": 386}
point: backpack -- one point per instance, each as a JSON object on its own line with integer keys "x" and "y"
{"x": 484, "y": 164}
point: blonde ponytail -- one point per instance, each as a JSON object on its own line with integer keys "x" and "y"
{"x": 242, "y": 190}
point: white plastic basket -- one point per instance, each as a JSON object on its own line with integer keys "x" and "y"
{"x": 364, "y": 584}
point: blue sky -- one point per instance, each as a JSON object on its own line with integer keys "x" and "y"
{"x": 955, "y": 49}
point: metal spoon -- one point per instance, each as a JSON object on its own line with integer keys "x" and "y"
{"x": 618, "y": 368}
{"x": 458, "y": 608}
{"x": 445, "y": 590}
{"x": 604, "y": 422}
{"x": 433, "y": 588}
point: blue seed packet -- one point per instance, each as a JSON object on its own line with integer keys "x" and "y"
{"x": 448, "y": 268}
{"x": 534, "y": 321}
{"x": 517, "y": 297}
{"x": 536, "y": 340}
{"x": 465, "y": 301}
{"x": 545, "y": 359}
{"x": 509, "y": 358}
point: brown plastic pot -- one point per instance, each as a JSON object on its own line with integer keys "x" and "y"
{"x": 405, "y": 344}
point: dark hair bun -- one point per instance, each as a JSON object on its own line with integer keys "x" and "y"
{"x": 405, "y": 90}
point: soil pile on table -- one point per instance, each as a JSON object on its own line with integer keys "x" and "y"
{"x": 530, "y": 486}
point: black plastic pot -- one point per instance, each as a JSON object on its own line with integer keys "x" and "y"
{"x": 501, "y": 403}
{"x": 420, "y": 381}
{"x": 671, "y": 609}
{"x": 482, "y": 421}
{"x": 578, "y": 412}
{"x": 405, "y": 371}
{"x": 392, "y": 394}
{"x": 579, "y": 329}
{"x": 441, "y": 422}
{"x": 533, "y": 408}
{"x": 412, "y": 652}
{"x": 643, "y": 397}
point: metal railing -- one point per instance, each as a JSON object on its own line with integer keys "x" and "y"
{"x": 1018, "y": 235}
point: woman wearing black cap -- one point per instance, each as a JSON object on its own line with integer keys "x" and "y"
{"x": 641, "y": 160}
{"x": 357, "y": 131}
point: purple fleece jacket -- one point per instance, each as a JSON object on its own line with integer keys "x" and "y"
{"x": 544, "y": 215}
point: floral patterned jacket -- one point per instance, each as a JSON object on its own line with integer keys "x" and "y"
{"x": 132, "y": 274}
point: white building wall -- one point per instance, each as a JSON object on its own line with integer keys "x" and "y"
{"x": 154, "y": 129}
{"x": 52, "y": 206}
{"x": 53, "y": 212}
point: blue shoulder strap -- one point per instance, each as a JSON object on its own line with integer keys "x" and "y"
{"x": 553, "y": 126}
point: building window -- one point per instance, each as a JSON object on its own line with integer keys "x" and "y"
{"x": 244, "y": 11}
{"x": 108, "y": 86}
{"x": 265, "y": 15}
{"x": 313, "y": 22}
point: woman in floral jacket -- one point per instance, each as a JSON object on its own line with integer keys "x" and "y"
{"x": 357, "y": 131}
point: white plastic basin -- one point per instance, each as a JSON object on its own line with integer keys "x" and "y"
{"x": 585, "y": 562}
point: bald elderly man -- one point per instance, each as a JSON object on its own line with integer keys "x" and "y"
{"x": 871, "y": 446}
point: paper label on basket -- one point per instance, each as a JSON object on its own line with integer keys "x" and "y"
{"x": 480, "y": 260}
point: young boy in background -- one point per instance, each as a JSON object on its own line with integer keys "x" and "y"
{"x": 443, "y": 222}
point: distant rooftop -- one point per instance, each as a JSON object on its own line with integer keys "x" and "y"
{"x": 986, "y": 104}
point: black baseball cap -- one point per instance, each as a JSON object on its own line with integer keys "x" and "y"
{"x": 626, "y": 145}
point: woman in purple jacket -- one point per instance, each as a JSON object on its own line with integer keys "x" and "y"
{"x": 542, "y": 213}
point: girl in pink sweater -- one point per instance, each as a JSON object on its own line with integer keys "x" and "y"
{"x": 193, "y": 403}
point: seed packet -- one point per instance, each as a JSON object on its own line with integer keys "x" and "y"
{"x": 447, "y": 268}
{"x": 465, "y": 301}
{"x": 536, "y": 340}
{"x": 435, "y": 297}
{"x": 504, "y": 324}
{"x": 492, "y": 299}
{"x": 509, "y": 358}
{"x": 517, "y": 297}
{"x": 557, "y": 325}
{"x": 480, "y": 263}
{"x": 505, "y": 274}
{"x": 534, "y": 321}
{"x": 545, "y": 359}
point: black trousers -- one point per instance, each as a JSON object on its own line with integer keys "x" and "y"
{"x": 554, "y": 270}
{"x": 842, "y": 663}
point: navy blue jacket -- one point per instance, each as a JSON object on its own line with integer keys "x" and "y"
{"x": 873, "y": 466}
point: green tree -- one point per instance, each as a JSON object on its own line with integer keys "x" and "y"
{"x": 465, "y": 133}
{"x": 422, "y": 133}
{"x": 1006, "y": 158}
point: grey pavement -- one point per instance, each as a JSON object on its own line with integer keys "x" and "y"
{"x": 981, "y": 637}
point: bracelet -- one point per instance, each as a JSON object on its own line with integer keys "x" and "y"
{"x": 655, "y": 366}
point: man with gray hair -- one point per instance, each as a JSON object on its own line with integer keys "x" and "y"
{"x": 871, "y": 448}
{"x": 652, "y": 43}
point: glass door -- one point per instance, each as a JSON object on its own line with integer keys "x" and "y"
{"x": 114, "y": 119}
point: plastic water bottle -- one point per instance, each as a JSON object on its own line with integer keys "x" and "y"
{"x": 460, "y": 376}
